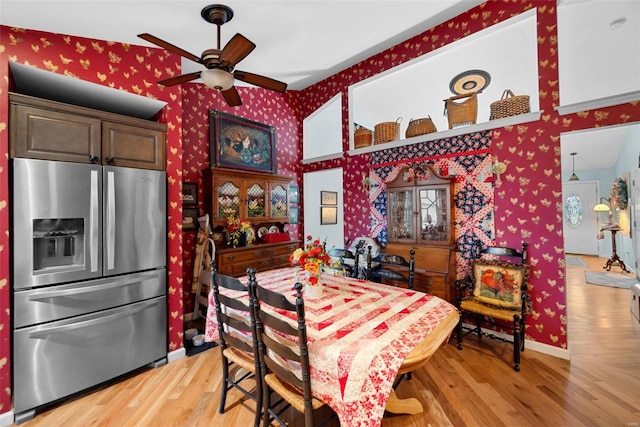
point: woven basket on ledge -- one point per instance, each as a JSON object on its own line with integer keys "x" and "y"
{"x": 509, "y": 105}
{"x": 386, "y": 131}
{"x": 420, "y": 127}
{"x": 461, "y": 113}
{"x": 362, "y": 137}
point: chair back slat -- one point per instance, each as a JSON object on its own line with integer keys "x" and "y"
{"x": 395, "y": 267}
{"x": 235, "y": 317}
{"x": 292, "y": 362}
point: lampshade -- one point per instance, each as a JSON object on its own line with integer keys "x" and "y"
{"x": 601, "y": 207}
{"x": 216, "y": 78}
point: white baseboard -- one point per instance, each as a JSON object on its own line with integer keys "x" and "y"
{"x": 561, "y": 353}
{"x": 188, "y": 317}
{"x": 176, "y": 354}
{"x": 6, "y": 419}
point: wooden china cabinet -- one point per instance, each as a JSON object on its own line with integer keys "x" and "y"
{"x": 420, "y": 217}
{"x": 261, "y": 199}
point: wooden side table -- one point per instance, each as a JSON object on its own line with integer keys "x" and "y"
{"x": 614, "y": 259}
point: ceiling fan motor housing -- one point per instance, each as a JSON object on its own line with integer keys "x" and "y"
{"x": 218, "y": 14}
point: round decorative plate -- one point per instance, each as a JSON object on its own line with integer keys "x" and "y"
{"x": 251, "y": 235}
{"x": 262, "y": 231}
{"x": 274, "y": 229}
{"x": 470, "y": 81}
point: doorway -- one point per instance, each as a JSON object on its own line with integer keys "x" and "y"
{"x": 580, "y": 224}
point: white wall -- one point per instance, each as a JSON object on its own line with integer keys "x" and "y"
{"x": 313, "y": 184}
{"x": 322, "y": 130}
{"x": 418, "y": 88}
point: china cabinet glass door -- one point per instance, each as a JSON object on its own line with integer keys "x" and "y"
{"x": 401, "y": 214}
{"x": 228, "y": 200}
{"x": 434, "y": 213}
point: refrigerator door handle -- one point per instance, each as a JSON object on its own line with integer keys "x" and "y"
{"x": 93, "y": 220}
{"x": 127, "y": 311}
{"x": 111, "y": 220}
{"x": 98, "y": 287}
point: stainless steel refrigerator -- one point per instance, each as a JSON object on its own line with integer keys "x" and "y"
{"x": 89, "y": 277}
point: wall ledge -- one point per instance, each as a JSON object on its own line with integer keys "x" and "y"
{"x": 463, "y": 130}
{"x": 608, "y": 101}
{"x": 322, "y": 158}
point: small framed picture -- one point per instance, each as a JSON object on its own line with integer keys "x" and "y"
{"x": 190, "y": 219}
{"x": 294, "y": 215}
{"x": 328, "y": 215}
{"x": 294, "y": 197}
{"x": 328, "y": 198}
{"x": 190, "y": 193}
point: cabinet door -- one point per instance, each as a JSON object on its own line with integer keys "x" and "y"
{"x": 50, "y": 135}
{"x": 226, "y": 198}
{"x": 255, "y": 199}
{"x": 279, "y": 201}
{"x": 132, "y": 146}
{"x": 401, "y": 214}
{"x": 434, "y": 216}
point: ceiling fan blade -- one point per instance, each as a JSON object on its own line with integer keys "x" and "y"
{"x": 180, "y": 79}
{"x": 168, "y": 46}
{"x": 232, "y": 96}
{"x": 262, "y": 81}
{"x": 236, "y": 50}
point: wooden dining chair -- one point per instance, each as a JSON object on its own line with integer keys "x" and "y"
{"x": 394, "y": 268}
{"x": 238, "y": 340}
{"x": 495, "y": 293}
{"x": 338, "y": 257}
{"x": 284, "y": 356}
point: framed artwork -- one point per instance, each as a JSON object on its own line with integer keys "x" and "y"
{"x": 190, "y": 219}
{"x": 294, "y": 215}
{"x": 499, "y": 283}
{"x": 238, "y": 143}
{"x": 328, "y": 198}
{"x": 328, "y": 215}
{"x": 190, "y": 194}
{"x": 294, "y": 196}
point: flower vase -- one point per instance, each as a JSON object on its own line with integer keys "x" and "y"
{"x": 313, "y": 291}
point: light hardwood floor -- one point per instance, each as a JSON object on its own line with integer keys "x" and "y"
{"x": 599, "y": 386}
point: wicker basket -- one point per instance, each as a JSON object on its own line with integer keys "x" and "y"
{"x": 509, "y": 105}
{"x": 362, "y": 137}
{"x": 420, "y": 127}
{"x": 461, "y": 113}
{"x": 387, "y": 131}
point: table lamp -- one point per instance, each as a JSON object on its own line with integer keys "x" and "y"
{"x": 601, "y": 207}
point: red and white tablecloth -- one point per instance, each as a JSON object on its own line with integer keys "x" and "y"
{"x": 359, "y": 333}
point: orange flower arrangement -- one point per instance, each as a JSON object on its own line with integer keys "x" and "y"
{"x": 311, "y": 259}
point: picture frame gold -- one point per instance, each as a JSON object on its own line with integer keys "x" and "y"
{"x": 328, "y": 198}
{"x": 328, "y": 215}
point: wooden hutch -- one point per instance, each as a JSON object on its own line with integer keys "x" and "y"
{"x": 261, "y": 199}
{"x": 420, "y": 217}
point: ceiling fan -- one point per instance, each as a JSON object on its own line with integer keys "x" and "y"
{"x": 220, "y": 64}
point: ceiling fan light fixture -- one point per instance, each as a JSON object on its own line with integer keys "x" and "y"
{"x": 216, "y": 78}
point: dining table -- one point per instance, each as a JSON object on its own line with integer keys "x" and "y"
{"x": 361, "y": 336}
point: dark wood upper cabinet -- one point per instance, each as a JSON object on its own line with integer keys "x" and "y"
{"x": 49, "y": 130}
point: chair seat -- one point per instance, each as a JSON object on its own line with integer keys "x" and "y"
{"x": 484, "y": 310}
{"x": 290, "y": 393}
{"x": 243, "y": 359}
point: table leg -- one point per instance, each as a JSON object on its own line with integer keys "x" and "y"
{"x": 395, "y": 405}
